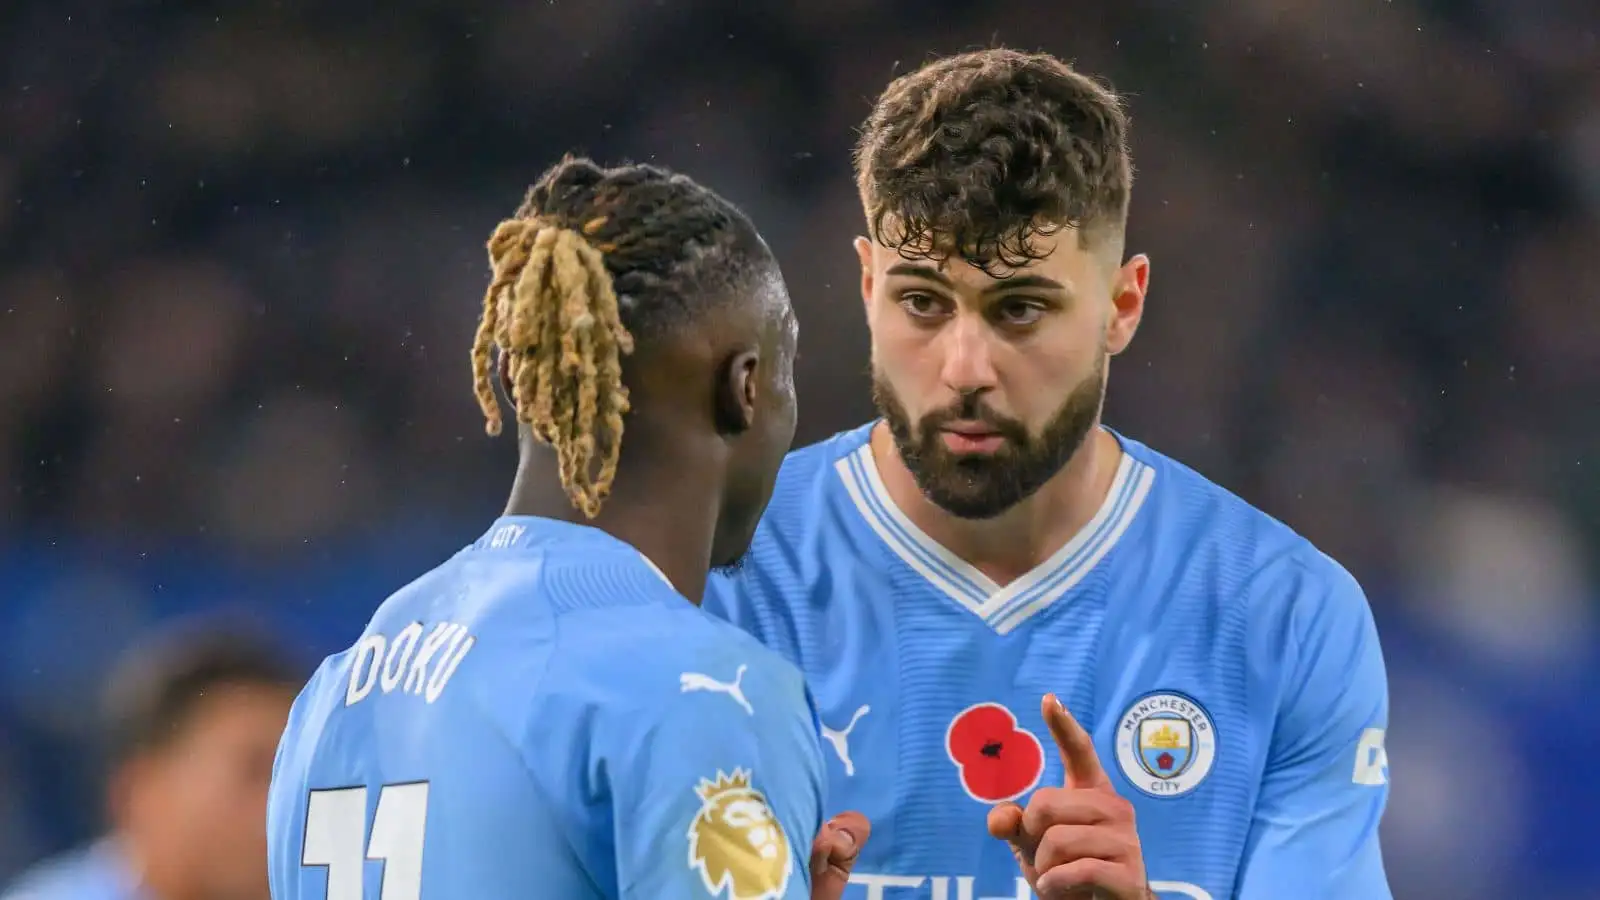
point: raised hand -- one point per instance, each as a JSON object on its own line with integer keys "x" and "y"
{"x": 1077, "y": 841}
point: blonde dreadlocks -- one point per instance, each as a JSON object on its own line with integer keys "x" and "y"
{"x": 593, "y": 258}
{"x": 551, "y": 309}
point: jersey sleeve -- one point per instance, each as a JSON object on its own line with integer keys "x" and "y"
{"x": 1314, "y": 832}
{"x": 720, "y": 791}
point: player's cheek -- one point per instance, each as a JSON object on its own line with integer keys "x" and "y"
{"x": 1064, "y": 845}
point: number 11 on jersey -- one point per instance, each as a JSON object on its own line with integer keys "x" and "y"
{"x": 336, "y": 839}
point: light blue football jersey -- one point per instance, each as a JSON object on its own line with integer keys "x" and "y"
{"x": 1229, "y": 673}
{"x": 99, "y": 871}
{"x": 544, "y": 716}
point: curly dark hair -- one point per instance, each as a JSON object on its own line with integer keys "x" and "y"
{"x": 594, "y": 258}
{"x": 975, "y": 155}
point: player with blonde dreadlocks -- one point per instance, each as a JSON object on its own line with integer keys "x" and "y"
{"x": 548, "y": 711}
{"x": 592, "y": 255}
{"x": 552, "y": 311}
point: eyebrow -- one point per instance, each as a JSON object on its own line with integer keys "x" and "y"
{"x": 929, "y": 273}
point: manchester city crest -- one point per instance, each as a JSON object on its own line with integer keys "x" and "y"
{"x": 1166, "y": 743}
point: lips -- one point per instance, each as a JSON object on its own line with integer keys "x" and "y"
{"x": 971, "y": 442}
{"x": 971, "y": 431}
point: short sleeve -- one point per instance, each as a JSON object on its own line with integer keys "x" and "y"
{"x": 719, "y": 791}
{"x": 1314, "y": 831}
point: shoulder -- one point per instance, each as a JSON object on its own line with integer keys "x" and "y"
{"x": 805, "y": 498}
{"x": 514, "y": 606}
{"x": 1189, "y": 502}
{"x": 645, "y": 665}
{"x": 674, "y": 678}
{"x": 828, "y": 451}
{"x": 1244, "y": 552}
{"x": 512, "y": 638}
{"x": 806, "y": 527}
{"x": 808, "y": 472}
{"x": 511, "y": 597}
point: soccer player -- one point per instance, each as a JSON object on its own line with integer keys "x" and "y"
{"x": 192, "y": 719}
{"x": 545, "y": 714}
{"x": 989, "y": 541}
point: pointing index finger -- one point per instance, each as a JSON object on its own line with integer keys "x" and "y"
{"x": 1078, "y": 757}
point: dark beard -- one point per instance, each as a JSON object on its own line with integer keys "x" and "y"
{"x": 982, "y": 486}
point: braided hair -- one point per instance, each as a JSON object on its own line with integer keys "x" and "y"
{"x": 594, "y": 258}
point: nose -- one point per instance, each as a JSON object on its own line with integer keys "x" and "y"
{"x": 968, "y": 356}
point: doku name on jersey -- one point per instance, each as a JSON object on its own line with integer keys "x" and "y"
{"x": 409, "y": 663}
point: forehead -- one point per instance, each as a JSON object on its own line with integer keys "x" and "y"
{"x": 1061, "y": 260}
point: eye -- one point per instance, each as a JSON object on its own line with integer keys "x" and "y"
{"x": 1019, "y": 312}
{"x": 922, "y": 305}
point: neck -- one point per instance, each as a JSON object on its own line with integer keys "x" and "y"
{"x": 1021, "y": 538}
{"x": 665, "y": 506}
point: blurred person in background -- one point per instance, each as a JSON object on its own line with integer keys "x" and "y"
{"x": 192, "y": 724}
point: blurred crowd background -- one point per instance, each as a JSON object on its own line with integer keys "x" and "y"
{"x": 241, "y": 256}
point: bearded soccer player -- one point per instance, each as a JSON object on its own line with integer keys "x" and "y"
{"x": 989, "y": 541}
{"x": 546, "y": 714}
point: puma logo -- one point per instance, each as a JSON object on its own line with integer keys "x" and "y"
{"x": 840, "y": 739}
{"x": 694, "y": 681}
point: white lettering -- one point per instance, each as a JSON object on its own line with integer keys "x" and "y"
{"x": 877, "y": 884}
{"x": 364, "y": 668}
{"x": 441, "y": 675}
{"x": 1181, "y": 888}
{"x": 417, "y": 676}
{"x": 938, "y": 887}
{"x": 1372, "y": 761}
{"x": 400, "y": 649}
{"x": 408, "y": 663}
{"x": 505, "y": 536}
